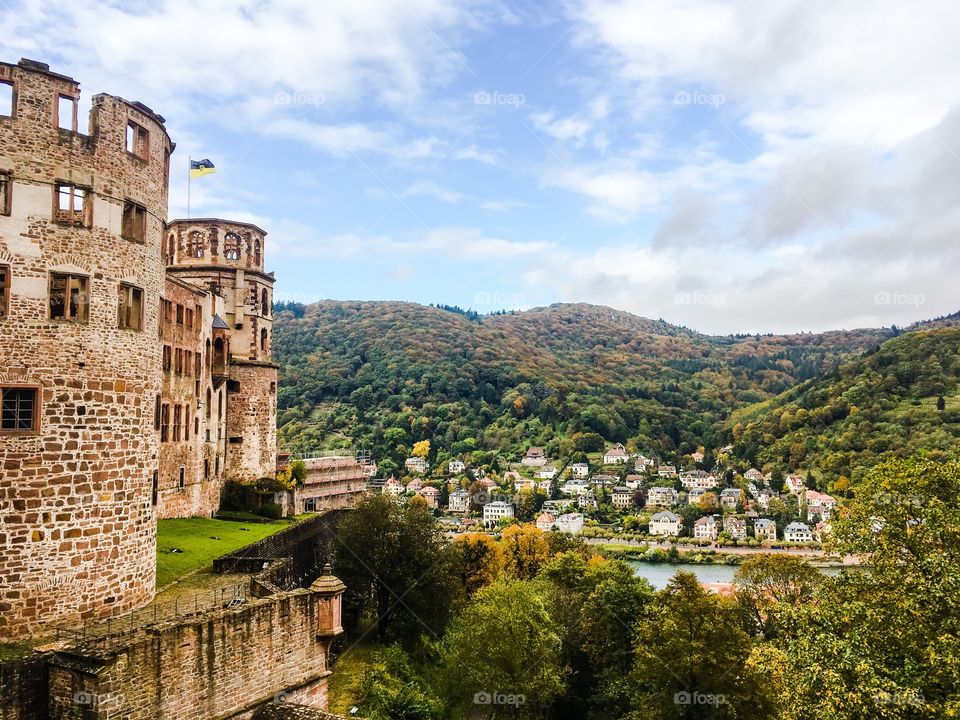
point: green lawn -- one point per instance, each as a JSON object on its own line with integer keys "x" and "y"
{"x": 202, "y": 540}
{"x": 344, "y": 683}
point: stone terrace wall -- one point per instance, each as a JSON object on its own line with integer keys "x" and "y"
{"x": 23, "y": 688}
{"x": 308, "y": 543}
{"x": 222, "y": 665}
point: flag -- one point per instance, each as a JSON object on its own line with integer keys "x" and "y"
{"x": 199, "y": 168}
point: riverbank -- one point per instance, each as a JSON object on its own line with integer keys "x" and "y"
{"x": 668, "y": 553}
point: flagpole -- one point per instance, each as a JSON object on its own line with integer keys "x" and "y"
{"x": 189, "y": 177}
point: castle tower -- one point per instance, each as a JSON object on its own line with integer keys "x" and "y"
{"x": 226, "y": 258}
{"x": 82, "y": 220}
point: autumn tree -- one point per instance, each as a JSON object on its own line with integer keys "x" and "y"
{"x": 769, "y": 584}
{"x": 479, "y": 561}
{"x": 421, "y": 448}
{"x": 524, "y": 550}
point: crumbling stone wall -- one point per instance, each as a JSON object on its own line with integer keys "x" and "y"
{"x": 77, "y": 524}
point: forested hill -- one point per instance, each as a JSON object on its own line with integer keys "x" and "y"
{"x": 900, "y": 398}
{"x": 383, "y": 375}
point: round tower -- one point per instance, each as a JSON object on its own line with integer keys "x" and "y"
{"x": 227, "y": 258}
{"x": 82, "y": 220}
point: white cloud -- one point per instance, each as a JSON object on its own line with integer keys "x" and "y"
{"x": 430, "y": 188}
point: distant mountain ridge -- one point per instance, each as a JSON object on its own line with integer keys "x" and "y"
{"x": 383, "y": 375}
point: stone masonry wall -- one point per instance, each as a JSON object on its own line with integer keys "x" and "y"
{"x": 252, "y": 421}
{"x": 77, "y": 526}
{"x": 222, "y": 665}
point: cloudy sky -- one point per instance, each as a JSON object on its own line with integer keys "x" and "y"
{"x": 765, "y": 165}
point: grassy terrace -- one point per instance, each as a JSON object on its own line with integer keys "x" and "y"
{"x": 200, "y": 540}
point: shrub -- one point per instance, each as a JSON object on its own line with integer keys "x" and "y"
{"x": 271, "y": 510}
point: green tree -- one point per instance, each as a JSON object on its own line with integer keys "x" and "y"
{"x": 692, "y": 659}
{"x": 392, "y": 690}
{"x": 504, "y": 642}
{"x": 397, "y": 566}
{"x": 767, "y": 585}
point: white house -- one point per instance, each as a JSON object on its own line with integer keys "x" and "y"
{"x": 579, "y": 470}
{"x": 576, "y": 486}
{"x": 430, "y": 494}
{"x": 764, "y": 497}
{"x": 555, "y": 506}
{"x": 494, "y": 511}
{"x": 695, "y": 495}
{"x": 547, "y": 472}
{"x": 729, "y": 497}
{"x": 754, "y": 475}
{"x": 416, "y": 464}
{"x": 456, "y": 466}
{"x": 764, "y": 529}
{"x": 697, "y": 456}
{"x": 603, "y": 480}
{"x": 736, "y": 527}
{"x": 459, "y": 501}
{"x": 698, "y": 479}
{"x": 414, "y": 485}
{"x": 665, "y": 524}
{"x": 634, "y": 482}
{"x": 621, "y": 497}
{"x": 821, "y": 504}
{"x": 545, "y": 522}
{"x": 705, "y": 528}
{"x": 535, "y": 457}
{"x": 661, "y": 497}
{"x": 394, "y": 487}
{"x": 794, "y": 484}
{"x": 571, "y": 523}
{"x": 614, "y": 455}
{"x": 667, "y": 471}
{"x": 797, "y": 532}
{"x": 587, "y": 501}
{"x": 641, "y": 462}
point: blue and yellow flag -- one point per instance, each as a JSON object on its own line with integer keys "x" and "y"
{"x": 199, "y": 168}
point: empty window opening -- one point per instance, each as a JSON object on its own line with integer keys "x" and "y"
{"x": 69, "y": 298}
{"x": 6, "y": 99}
{"x": 6, "y": 193}
{"x": 235, "y": 439}
{"x": 18, "y": 410}
{"x": 256, "y": 253}
{"x": 165, "y": 422}
{"x": 195, "y": 244}
{"x": 209, "y": 402}
{"x": 67, "y": 113}
{"x": 156, "y": 487}
{"x": 4, "y": 290}
{"x": 263, "y": 339}
{"x": 273, "y": 388}
{"x": 72, "y": 204}
{"x": 233, "y": 386}
{"x": 134, "y": 222}
{"x": 137, "y": 140}
{"x": 182, "y": 483}
{"x": 179, "y": 314}
{"x": 231, "y": 246}
{"x": 206, "y": 469}
{"x": 265, "y": 304}
{"x": 130, "y": 308}
{"x": 156, "y": 413}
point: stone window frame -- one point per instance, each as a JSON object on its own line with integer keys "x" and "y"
{"x": 232, "y": 246}
{"x": 13, "y": 99}
{"x": 133, "y": 226}
{"x": 6, "y": 279}
{"x": 182, "y": 479}
{"x": 58, "y": 105}
{"x": 37, "y": 407}
{"x": 165, "y": 422}
{"x": 6, "y": 192}
{"x": 196, "y": 244}
{"x": 69, "y": 278}
{"x": 136, "y": 140}
{"x": 71, "y": 215}
{"x": 126, "y": 293}
{"x": 177, "y": 422}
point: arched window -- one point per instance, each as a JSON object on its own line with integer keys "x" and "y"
{"x": 206, "y": 358}
{"x": 263, "y": 339}
{"x": 209, "y": 403}
{"x": 195, "y": 244}
{"x": 220, "y": 404}
{"x": 265, "y": 304}
{"x": 171, "y": 244}
{"x": 256, "y": 252}
{"x": 219, "y": 353}
{"x": 231, "y": 246}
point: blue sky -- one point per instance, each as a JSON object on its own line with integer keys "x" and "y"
{"x": 731, "y": 166}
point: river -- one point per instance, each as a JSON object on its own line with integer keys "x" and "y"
{"x": 659, "y": 574}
